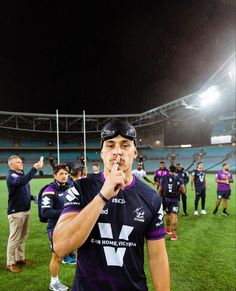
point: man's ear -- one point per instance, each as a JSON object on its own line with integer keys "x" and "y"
{"x": 101, "y": 154}
{"x": 135, "y": 154}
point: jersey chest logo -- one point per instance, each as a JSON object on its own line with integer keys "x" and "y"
{"x": 115, "y": 250}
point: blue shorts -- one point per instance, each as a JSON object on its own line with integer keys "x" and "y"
{"x": 171, "y": 205}
{"x": 223, "y": 194}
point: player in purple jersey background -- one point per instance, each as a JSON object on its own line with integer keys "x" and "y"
{"x": 109, "y": 216}
{"x": 159, "y": 173}
{"x": 223, "y": 179}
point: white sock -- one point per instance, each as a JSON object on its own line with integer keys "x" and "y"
{"x": 54, "y": 279}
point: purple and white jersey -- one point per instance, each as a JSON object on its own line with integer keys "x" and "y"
{"x": 112, "y": 257}
{"x": 220, "y": 175}
{"x": 159, "y": 174}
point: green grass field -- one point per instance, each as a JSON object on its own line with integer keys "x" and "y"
{"x": 202, "y": 259}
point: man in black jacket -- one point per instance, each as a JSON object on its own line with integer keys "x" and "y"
{"x": 19, "y": 198}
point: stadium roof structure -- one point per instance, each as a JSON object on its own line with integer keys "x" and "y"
{"x": 185, "y": 108}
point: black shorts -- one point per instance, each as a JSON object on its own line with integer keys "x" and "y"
{"x": 223, "y": 194}
{"x": 172, "y": 205}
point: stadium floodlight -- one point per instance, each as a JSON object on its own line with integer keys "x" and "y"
{"x": 209, "y": 96}
{"x": 188, "y": 106}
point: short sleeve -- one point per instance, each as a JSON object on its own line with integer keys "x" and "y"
{"x": 156, "y": 229}
{"x": 72, "y": 199}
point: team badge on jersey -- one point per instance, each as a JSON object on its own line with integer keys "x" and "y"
{"x": 139, "y": 212}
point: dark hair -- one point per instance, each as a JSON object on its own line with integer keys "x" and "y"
{"x": 162, "y": 162}
{"x": 224, "y": 164}
{"x": 57, "y": 168}
{"x": 75, "y": 172}
{"x": 172, "y": 169}
{"x": 199, "y": 163}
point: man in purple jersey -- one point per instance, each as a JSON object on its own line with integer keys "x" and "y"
{"x": 108, "y": 216}
{"x": 223, "y": 180}
{"x": 159, "y": 173}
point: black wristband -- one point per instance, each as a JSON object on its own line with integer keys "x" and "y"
{"x": 103, "y": 197}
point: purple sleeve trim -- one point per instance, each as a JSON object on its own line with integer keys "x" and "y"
{"x": 156, "y": 234}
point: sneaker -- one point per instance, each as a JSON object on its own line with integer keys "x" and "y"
{"x": 174, "y": 236}
{"x": 168, "y": 230}
{"x": 68, "y": 261}
{"x": 225, "y": 213}
{"x": 185, "y": 214}
{"x": 58, "y": 286}
{"x": 195, "y": 212}
{"x": 203, "y": 211}
{"x": 215, "y": 211}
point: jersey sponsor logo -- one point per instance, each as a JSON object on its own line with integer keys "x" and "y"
{"x": 139, "y": 212}
{"x": 60, "y": 194}
{"x": 71, "y": 194}
{"x": 45, "y": 201}
{"x": 118, "y": 200}
{"x": 104, "y": 211}
{"x": 161, "y": 213}
{"x": 14, "y": 175}
{"x": 114, "y": 249}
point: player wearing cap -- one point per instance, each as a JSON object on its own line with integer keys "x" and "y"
{"x": 108, "y": 216}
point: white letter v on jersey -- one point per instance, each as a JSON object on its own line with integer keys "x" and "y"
{"x": 113, "y": 257}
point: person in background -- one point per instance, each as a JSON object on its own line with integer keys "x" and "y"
{"x": 109, "y": 216}
{"x": 199, "y": 182}
{"x": 159, "y": 173}
{"x": 19, "y": 200}
{"x": 141, "y": 174}
{"x": 52, "y": 205}
{"x": 170, "y": 187}
{"x": 95, "y": 168}
{"x": 223, "y": 179}
{"x": 84, "y": 172}
{"x": 185, "y": 177}
{"x": 75, "y": 174}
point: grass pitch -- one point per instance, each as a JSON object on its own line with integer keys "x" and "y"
{"x": 202, "y": 259}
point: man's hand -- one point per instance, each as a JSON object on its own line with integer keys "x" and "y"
{"x": 38, "y": 165}
{"x": 114, "y": 181}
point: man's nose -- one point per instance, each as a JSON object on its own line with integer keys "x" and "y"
{"x": 117, "y": 150}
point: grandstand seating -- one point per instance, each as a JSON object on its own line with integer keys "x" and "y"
{"x": 224, "y": 127}
{"x": 211, "y": 155}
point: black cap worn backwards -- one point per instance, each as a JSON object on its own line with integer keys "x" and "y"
{"x": 118, "y": 127}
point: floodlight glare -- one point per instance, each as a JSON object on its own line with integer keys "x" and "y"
{"x": 232, "y": 72}
{"x": 209, "y": 96}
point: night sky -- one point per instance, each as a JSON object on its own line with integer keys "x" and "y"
{"x": 109, "y": 57}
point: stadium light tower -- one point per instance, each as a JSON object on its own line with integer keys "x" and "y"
{"x": 209, "y": 97}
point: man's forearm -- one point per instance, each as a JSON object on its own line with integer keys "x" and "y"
{"x": 72, "y": 231}
{"x": 160, "y": 272}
